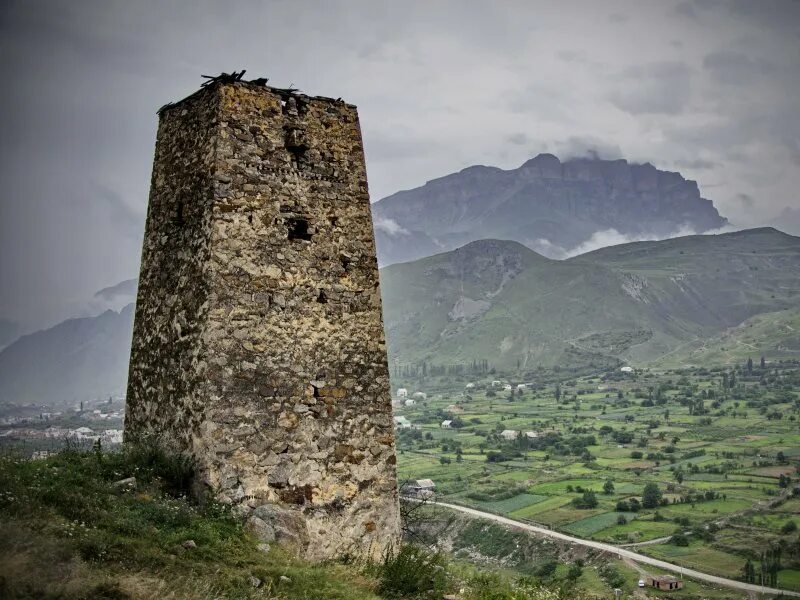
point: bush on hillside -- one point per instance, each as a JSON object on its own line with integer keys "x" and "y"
{"x": 412, "y": 572}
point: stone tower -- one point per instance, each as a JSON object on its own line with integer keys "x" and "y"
{"x": 258, "y": 345}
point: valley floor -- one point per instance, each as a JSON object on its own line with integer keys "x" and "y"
{"x": 625, "y": 458}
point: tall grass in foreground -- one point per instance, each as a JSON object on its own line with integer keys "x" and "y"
{"x": 68, "y": 531}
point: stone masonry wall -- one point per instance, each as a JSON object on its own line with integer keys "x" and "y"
{"x": 258, "y": 344}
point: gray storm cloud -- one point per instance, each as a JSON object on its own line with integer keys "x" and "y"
{"x": 707, "y": 88}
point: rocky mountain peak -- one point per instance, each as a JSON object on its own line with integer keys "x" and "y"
{"x": 546, "y": 204}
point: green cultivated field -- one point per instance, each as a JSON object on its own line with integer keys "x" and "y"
{"x": 719, "y": 445}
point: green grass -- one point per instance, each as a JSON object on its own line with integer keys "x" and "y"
{"x": 699, "y": 556}
{"x": 66, "y": 532}
{"x": 639, "y": 530}
{"x": 515, "y": 503}
{"x": 587, "y": 527}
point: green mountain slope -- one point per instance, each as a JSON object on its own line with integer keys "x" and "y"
{"x": 76, "y": 360}
{"x": 501, "y": 302}
{"x": 773, "y": 334}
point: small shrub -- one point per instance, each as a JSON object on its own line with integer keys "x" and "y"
{"x": 587, "y": 501}
{"x": 679, "y": 539}
{"x": 547, "y": 569}
{"x": 789, "y": 527}
{"x": 412, "y": 572}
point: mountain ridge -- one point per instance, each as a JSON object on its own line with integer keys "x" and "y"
{"x": 546, "y": 204}
{"x": 551, "y": 310}
{"x": 500, "y": 300}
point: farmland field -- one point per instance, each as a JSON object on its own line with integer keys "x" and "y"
{"x": 622, "y": 457}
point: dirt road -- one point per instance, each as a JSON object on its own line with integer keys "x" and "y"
{"x": 747, "y": 588}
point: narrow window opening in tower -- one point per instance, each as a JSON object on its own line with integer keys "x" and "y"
{"x": 296, "y": 145}
{"x": 179, "y": 214}
{"x": 322, "y": 298}
{"x": 345, "y": 260}
{"x": 296, "y": 153}
{"x": 250, "y": 218}
{"x": 298, "y": 229}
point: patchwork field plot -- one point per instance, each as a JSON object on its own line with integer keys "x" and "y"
{"x": 623, "y": 458}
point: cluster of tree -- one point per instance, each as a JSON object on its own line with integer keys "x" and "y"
{"x": 630, "y": 505}
{"x": 769, "y": 565}
{"x": 424, "y": 369}
{"x": 586, "y": 501}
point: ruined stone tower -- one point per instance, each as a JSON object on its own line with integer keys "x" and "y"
{"x": 258, "y": 345}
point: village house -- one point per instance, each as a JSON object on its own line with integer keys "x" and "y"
{"x": 419, "y": 488}
{"x": 410, "y": 402}
{"x": 496, "y": 383}
{"x": 402, "y": 423}
{"x": 507, "y": 387}
{"x": 627, "y": 369}
{"x": 521, "y": 386}
{"x": 447, "y": 424}
{"x": 419, "y": 396}
{"x": 531, "y": 435}
{"x": 470, "y": 386}
{"x": 665, "y": 583}
{"x": 402, "y": 393}
{"x": 82, "y": 433}
{"x": 112, "y": 436}
{"x": 509, "y": 434}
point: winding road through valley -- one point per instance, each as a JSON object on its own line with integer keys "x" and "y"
{"x": 749, "y": 588}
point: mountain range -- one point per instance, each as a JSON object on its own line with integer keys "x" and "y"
{"x": 76, "y": 360}
{"x": 550, "y": 206}
{"x": 464, "y": 282}
{"x": 638, "y": 302}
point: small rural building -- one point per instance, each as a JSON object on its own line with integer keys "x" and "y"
{"x": 419, "y": 396}
{"x": 402, "y": 393}
{"x": 627, "y": 369}
{"x": 419, "y": 488}
{"x": 496, "y": 383}
{"x": 410, "y": 402}
{"x": 507, "y": 387}
{"x": 402, "y": 423}
{"x": 509, "y": 434}
{"x": 521, "y": 386}
{"x": 470, "y": 386}
{"x": 447, "y": 424}
{"x": 531, "y": 435}
{"x": 665, "y": 583}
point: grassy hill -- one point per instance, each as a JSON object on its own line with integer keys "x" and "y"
{"x": 69, "y": 530}
{"x": 774, "y": 334}
{"x": 500, "y": 301}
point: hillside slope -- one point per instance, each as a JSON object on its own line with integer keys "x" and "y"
{"x": 545, "y": 204}
{"x": 773, "y": 334}
{"x": 502, "y": 302}
{"x": 672, "y": 301}
{"x": 70, "y": 530}
{"x": 76, "y": 360}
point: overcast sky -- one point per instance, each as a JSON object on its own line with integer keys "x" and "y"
{"x": 709, "y": 88}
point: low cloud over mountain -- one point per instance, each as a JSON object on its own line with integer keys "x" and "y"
{"x": 559, "y": 209}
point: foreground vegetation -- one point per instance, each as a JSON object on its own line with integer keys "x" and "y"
{"x": 71, "y": 527}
